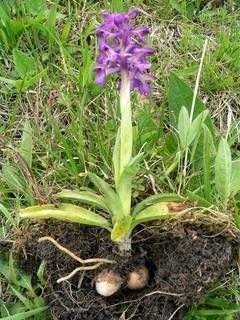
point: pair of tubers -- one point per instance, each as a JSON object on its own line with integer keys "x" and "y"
{"x": 109, "y": 282}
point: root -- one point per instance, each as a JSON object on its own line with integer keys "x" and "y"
{"x": 98, "y": 261}
{"x": 95, "y": 266}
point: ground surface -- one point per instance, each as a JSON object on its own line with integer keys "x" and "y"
{"x": 183, "y": 264}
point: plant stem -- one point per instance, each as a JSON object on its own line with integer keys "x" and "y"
{"x": 126, "y": 123}
{"x": 125, "y": 246}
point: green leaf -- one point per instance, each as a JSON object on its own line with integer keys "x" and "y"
{"x": 40, "y": 273}
{"x": 195, "y": 127}
{"x": 25, "y": 64}
{"x": 23, "y": 85}
{"x": 36, "y": 7}
{"x": 121, "y": 228}
{"x": 180, "y": 95}
{"x": 84, "y": 197}
{"x": 52, "y": 17}
{"x": 112, "y": 199}
{"x": 26, "y": 147}
{"x": 183, "y": 127}
{"x": 12, "y": 270}
{"x": 14, "y": 179}
{"x": 198, "y": 200}
{"x": 158, "y": 211}
{"x": 124, "y": 188}
{"x": 25, "y": 315}
{"x": 27, "y": 303}
{"x": 223, "y": 171}
{"x": 157, "y": 198}
{"x": 208, "y": 152}
{"x": 8, "y": 81}
{"x": 66, "y": 30}
{"x": 65, "y": 212}
{"x": 7, "y": 214}
{"x": 116, "y": 159}
{"x": 235, "y": 178}
{"x": 189, "y": 131}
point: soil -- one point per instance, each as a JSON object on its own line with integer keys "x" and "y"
{"x": 183, "y": 262}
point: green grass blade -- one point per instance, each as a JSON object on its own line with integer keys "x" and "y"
{"x": 198, "y": 200}
{"x": 26, "y": 147}
{"x": 25, "y": 315}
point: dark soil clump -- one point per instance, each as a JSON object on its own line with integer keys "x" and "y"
{"x": 183, "y": 263}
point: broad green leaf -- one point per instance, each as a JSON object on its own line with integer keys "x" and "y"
{"x": 157, "y": 198}
{"x": 235, "y": 178}
{"x": 25, "y": 315}
{"x": 84, "y": 197}
{"x": 124, "y": 188}
{"x": 180, "y": 94}
{"x": 112, "y": 199}
{"x": 65, "y": 212}
{"x": 158, "y": 211}
{"x": 121, "y": 228}
{"x": 124, "y": 191}
{"x": 25, "y": 64}
{"x": 195, "y": 127}
{"x": 183, "y": 127}
{"x": 26, "y": 147}
{"x": 8, "y": 81}
{"x": 23, "y": 85}
{"x": 223, "y": 171}
{"x": 36, "y": 7}
{"x": 116, "y": 159}
{"x": 208, "y": 152}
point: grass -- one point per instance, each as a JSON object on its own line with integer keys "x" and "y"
{"x": 51, "y": 46}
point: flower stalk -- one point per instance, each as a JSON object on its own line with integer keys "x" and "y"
{"x": 126, "y": 123}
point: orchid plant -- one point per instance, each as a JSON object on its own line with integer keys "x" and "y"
{"x": 122, "y": 51}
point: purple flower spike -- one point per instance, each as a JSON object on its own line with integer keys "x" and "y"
{"x": 121, "y": 50}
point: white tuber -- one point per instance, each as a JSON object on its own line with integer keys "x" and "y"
{"x": 108, "y": 282}
{"x": 138, "y": 278}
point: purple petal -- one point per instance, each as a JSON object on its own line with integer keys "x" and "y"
{"x": 132, "y": 13}
{"x": 121, "y": 48}
{"x": 100, "y": 79}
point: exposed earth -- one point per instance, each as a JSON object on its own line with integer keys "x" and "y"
{"x": 183, "y": 263}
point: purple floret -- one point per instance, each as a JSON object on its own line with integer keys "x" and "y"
{"x": 121, "y": 50}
